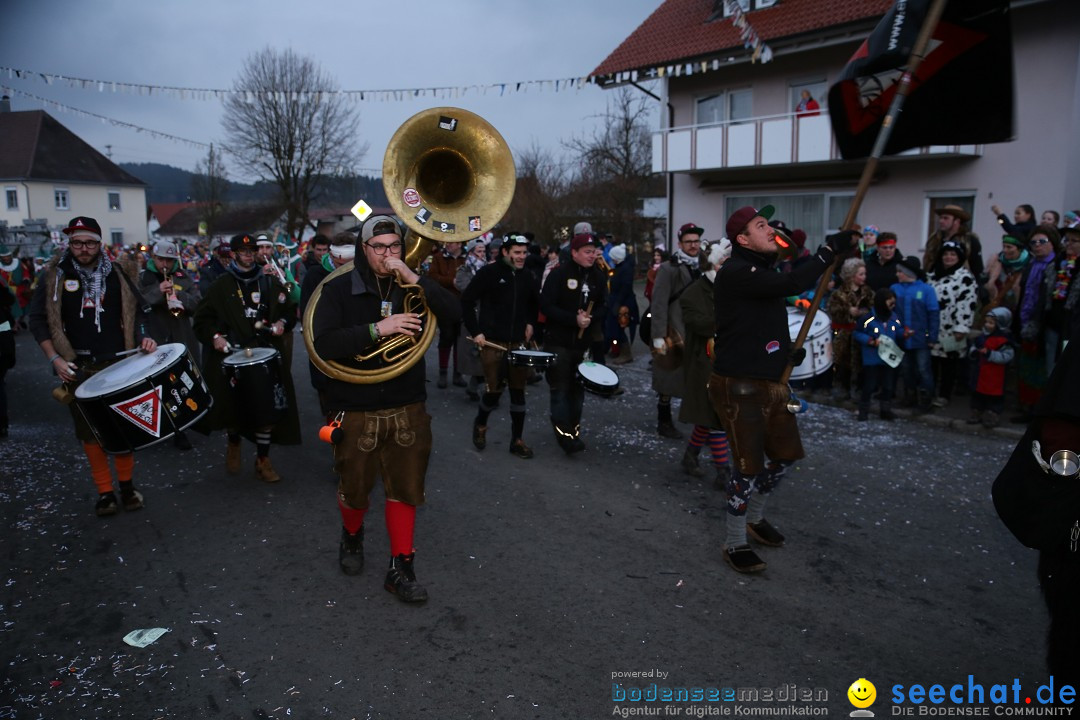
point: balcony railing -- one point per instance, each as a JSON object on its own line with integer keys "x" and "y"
{"x": 754, "y": 142}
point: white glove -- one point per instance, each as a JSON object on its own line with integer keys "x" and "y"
{"x": 660, "y": 345}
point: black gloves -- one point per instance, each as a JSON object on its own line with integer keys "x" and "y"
{"x": 797, "y": 357}
{"x": 842, "y": 241}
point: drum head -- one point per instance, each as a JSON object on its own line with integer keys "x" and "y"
{"x": 258, "y": 355}
{"x": 599, "y": 374}
{"x": 129, "y": 371}
{"x": 540, "y": 354}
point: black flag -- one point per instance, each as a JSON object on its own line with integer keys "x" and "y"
{"x": 962, "y": 92}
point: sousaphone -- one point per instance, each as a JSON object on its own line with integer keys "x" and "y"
{"x": 449, "y": 177}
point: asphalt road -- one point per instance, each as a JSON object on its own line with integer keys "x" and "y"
{"x": 548, "y": 578}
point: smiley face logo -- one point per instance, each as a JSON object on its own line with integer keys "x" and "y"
{"x": 862, "y": 693}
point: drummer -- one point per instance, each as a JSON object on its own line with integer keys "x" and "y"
{"x": 83, "y": 313}
{"x": 261, "y": 318}
{"x": 509, "y": 298}
{"x": 574, "y": 295}
{"x": 173, "y": 296}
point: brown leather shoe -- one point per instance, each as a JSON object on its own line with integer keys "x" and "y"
{"x": 479, "y": 436}
{"x": 265, "y": 470}
{"x": 233, "y": 460}
{"x": 519, "y": 448}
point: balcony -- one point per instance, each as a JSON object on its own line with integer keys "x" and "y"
{"x": 768, "y": 141}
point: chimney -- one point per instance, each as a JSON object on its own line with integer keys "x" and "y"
{"x": 5, "y": 104}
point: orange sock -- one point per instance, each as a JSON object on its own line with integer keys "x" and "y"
{"x": 99, "y": 467}
{"x": 125, "y": 466}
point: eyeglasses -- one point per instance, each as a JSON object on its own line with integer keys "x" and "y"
{"x": 690, "y": 242}
{"x": 394, "y": 248}
{"x": 84, "y": 244}
{"x": 1039, "y": 241}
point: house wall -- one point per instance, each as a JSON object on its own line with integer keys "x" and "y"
{"x": 91, "y": 201}
{"x": 1040, "y": 167}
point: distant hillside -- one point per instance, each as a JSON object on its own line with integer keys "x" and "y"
{"x": 169, "y": 184}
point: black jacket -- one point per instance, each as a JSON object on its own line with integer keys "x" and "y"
{"x": 347, "y": 305}
{"x": 509, "y": 300}
{"x": 752, "y": 337}
{"x": 880, "y": 276}
{"x": 564, "y": 294}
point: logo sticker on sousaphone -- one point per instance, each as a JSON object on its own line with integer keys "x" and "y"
{"x": 143, "y": 411}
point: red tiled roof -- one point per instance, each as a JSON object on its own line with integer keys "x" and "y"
{"x": 679, "y": 29}
{"x": 165, "y": 211}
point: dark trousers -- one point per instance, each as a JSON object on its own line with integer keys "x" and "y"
{"x": 876, "y": 377}
{"x": 567, "y": 394}
{"x": 980, "y": 402}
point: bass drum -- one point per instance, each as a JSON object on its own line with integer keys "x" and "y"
{"x": 256, "y": 380}
{"x": 598, "y": 379}
{"x": 818, "y": 343}
{"x": 144, "y": 399}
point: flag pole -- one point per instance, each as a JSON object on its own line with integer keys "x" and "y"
{"x": 918, "y": 50}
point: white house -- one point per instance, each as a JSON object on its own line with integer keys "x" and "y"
{"x": 730, "y": 136}
{"x": 47, "y": 172}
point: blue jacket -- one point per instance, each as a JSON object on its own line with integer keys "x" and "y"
{"x": 869, "y": 327}
{"x": 917, "y": 306}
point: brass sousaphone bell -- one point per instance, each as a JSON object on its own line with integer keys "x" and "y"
{"x": 449, "y": 177}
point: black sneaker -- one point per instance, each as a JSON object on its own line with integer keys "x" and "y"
{"x": 132, "y": 498}
{"x": 519, "y": 448}
{"x": 479, "y": 436}
{"x": 401, "y": 580}
{"x": 742, "y": 559}
{"x": 106, "y": 505}
{"x": 764, "y": 533}
{"x": 351, "y": 552}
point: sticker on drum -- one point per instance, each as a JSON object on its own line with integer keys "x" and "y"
{"x": 818, "y": 343}
{"x": 598, "y": 379}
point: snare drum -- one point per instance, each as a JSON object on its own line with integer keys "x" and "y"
{"x": 818, "y": 343}
{"x": 598, "y": 379}
{"x": 532, "y": 358}
{"x": 254, "y": 375}
{"x": 144, "y": 399}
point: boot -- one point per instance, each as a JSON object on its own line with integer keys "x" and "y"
{"x": 233, "y": 460}
{"x": 665, "y": 427}
{"x": 401, "y": 580}
{"x": 723, "y": 475}
{"x": 131, "y": 498}
{"x": 886, "y": 411}
{"x": 442, "y": 384}
{"x": 479, "y": 436}
{"x": 265, "y": 471}
{"x": 690, "y": 464}
{"x": 926, "y": 404}
{"x": 459, "y": 381}
{"x": 351, "y": 552}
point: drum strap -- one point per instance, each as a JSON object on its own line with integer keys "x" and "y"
{"x": 144, "y": 308}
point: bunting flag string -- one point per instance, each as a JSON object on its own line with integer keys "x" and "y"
{"x": 366, "y": 95}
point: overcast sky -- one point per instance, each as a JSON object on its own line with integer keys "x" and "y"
{"x": 363, "y": 45}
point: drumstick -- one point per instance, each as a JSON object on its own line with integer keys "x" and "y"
{"x": 493, "y": 345}
{"x": 132, "y": 351}
{"x": 588, "y": 311}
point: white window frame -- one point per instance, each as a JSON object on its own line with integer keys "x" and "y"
{"x": 108, "y": 200}
{"x": 64, "y": 194}
{"x": 9, "y": 194}
{"x": 818, "y": 87}
{"x": 725, "y": 98}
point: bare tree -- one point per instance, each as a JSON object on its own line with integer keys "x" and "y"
{"x": 541, "y": 184}
{"x": 209, "y": 188}
{"x": 615, "y": 167}
{"x": 286, "y": 123}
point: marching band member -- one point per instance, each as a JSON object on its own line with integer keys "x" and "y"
{"x": 83, "y": 313}
{"x": 751, "y": 352}
{"x": 385, "y": 428}
{"x": 246, "y": 308}
{"x": 509, "y": 298}
{"x": 173, "y": 296}
{"x": 574, "y": 295}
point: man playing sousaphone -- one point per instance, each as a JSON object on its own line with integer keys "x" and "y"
{"x": 509, "y": 299}
{"x": 385, "y": 428}
{"x": 82, "y": 315}
{"x": 245, "y": 308}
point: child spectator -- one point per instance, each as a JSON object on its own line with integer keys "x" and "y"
{"x": 992, "y": 351}
{"x": 877, "y": 373}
